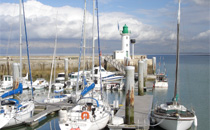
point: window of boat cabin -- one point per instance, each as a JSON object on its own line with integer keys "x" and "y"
{"x": 9, "y": 78}
{"x": 61, "y": 75}
{"x": 96, "y": 71}
{"x": 5, "y": 78}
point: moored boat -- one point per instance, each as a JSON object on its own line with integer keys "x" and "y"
{"x": 172, "y": 115}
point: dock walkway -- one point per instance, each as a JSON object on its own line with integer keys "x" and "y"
{"x": 142, "y": 109}
{"x": 49, "y": 108}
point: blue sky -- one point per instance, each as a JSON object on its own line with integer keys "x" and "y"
{"x": 152, "y": 23}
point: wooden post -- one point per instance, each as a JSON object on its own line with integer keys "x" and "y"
{"x": 105, "y": 64}
{"x": 129, "y": 108}
{"x": 66, "y": 68}
{"x": 8, "y": 67}
{"x": 145, "y": 72}
{"x": 154, "y": 65}
{"x": 140, "y": 78}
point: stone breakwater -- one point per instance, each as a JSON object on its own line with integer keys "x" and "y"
{"x": 41, "y": 65}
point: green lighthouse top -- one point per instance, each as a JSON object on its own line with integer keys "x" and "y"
{"x": 125, "y": 29}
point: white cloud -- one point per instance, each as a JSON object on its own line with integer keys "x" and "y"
{"x": 202, "y": 35}
{"x": 41, "y": 22}
{"x": 202, "y": 2}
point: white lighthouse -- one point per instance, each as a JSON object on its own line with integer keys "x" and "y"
{"x": 125, "y": 52}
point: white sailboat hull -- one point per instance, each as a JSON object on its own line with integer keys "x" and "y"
{"x": 86, "y": 125}
{"x": 58, "y": 99}
{"x": 173, "y": 123}
{"x": 12, "y": 118}
{"x": 161, "y": 84}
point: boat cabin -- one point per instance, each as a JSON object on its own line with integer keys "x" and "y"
{"x": 7, "y": 78}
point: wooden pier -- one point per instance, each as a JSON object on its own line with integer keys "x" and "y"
{"x": 142, "y": 109}
{"x": 46, "y": 108}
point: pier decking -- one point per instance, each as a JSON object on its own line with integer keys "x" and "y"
{"x": 142, "y": 109}
{"x": 49, "y": 108}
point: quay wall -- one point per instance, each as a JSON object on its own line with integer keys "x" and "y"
{"x": 41, "y": 65}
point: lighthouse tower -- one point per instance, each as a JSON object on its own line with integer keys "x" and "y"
{"x": 126, "y": 41}
{"x": 125, "y": 37}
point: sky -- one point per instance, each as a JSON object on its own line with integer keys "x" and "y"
{"x": 152, "y": 23}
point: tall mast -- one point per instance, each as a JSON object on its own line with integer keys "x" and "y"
{"x": 84, "y": 41}
{"x": 177, "y": 54}
{"x": 99, "y": 49}
{"x": 20, "y": 21}
{"x": 53, "y": 62}
{"x": 93, "y": 39}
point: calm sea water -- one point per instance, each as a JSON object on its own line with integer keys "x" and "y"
{"x": 193, "y": 90}
{"x": 193, "y": 85}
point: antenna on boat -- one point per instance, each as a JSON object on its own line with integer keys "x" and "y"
{"x": 175, "y": 98}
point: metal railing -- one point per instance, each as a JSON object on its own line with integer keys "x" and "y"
{"x": 119, "y": 66}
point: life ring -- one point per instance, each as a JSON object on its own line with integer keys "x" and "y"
{"x": 85, "y": 115}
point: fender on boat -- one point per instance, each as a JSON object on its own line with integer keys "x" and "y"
{"x": 195, "y": 121}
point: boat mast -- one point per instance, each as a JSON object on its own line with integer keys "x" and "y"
{"x": 99, "y": 49}
{"x": 177, "y": 55}
{"x": 53, "y": 62}
{"x": 28, "y": 56}
{"x": 20, "y": 22}
{"x": 93, "y": 40}
{"x": 84, "y": 44}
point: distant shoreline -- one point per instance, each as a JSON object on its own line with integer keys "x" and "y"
{"x": 74, "y": 54}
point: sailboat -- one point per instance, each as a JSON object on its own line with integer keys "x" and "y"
{"x": 90, "y": 112}
{"x": 61, "y": 97}
{"x": 172, "y": 115}
{"x": 161, "y": 80}
{"x": 12, "y": 110}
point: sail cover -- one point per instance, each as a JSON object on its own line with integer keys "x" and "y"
{"x": 87, "y": 89}
{"x": 19, "y": 90}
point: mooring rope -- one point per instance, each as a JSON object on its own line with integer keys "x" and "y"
{"x": 158, "y": 122}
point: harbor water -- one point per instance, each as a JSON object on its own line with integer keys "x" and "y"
{"x": 193, "y": 91}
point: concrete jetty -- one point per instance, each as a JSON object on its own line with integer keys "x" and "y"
{"x": 142, "y": 109}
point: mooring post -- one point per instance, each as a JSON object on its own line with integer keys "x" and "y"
{"x": 105, "y": 64}
{"x": 129, "y": 84}
{"x": 154, "y": 65}
{"x": 145, "y": 71}
{"x": 8, "y": 66}
{"x": 140, "y": 78}
{"x": 66, "y": 68}
{"x": 15, "y": 77}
